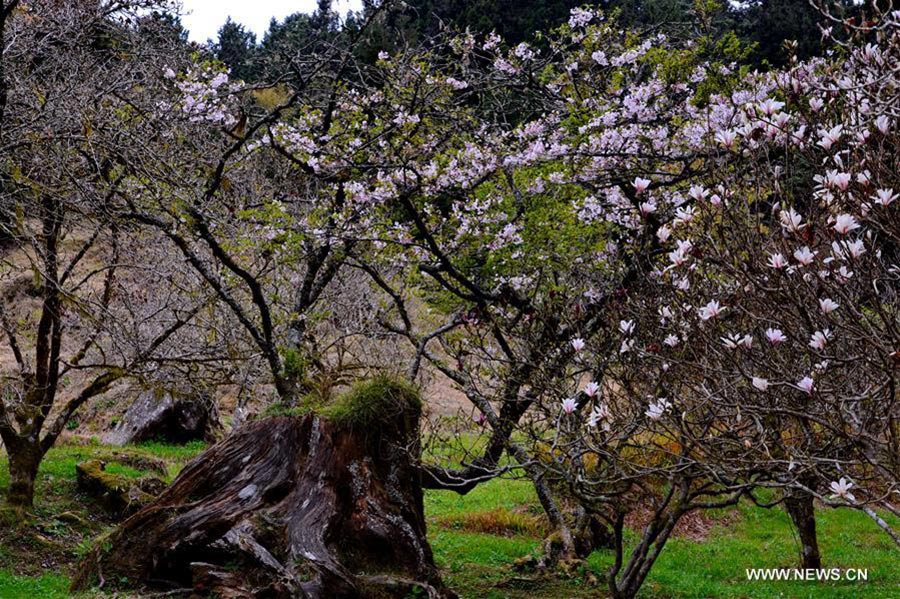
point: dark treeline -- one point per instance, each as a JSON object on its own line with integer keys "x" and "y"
{"x": 764, "y": 26}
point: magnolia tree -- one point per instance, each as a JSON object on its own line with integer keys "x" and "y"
{"x": 532, "y": 232}
{"x": 760, "y": 352}
{"x": 629, "y": 242}
{"x": 777, "y": 300}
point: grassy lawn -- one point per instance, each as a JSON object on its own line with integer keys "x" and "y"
{"x": 35, "y": 555}
{"x": 476, "y": 540}
{"x": 747, "y": 537}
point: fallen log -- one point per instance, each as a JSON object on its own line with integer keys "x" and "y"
{"x": 319, "y": 505}
{"x": 117, "y": 494}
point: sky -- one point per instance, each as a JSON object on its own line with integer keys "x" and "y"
{"x": 203, "y": 18}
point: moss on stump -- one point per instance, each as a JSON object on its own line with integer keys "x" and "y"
{"x": 327, "y": 504}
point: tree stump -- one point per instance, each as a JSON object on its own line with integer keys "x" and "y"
{"x": 291, "y": 506}
{"x": 174, "y": 417}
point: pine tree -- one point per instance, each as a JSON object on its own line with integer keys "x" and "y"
{"x": 236, "y": 48}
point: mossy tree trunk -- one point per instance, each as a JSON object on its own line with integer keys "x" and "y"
{"x": 290, "y": 506}
{"x": 24, "y": 461}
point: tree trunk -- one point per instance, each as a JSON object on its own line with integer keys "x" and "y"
{"x": 799, "y": 506}
{"x": 24, "y": 460}
{"x": 286, "y": 507}
{"x": 590, "y": 533}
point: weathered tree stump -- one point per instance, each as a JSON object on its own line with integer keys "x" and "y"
{"x": 160, "y": 413}
{"x": 290, "y": 506}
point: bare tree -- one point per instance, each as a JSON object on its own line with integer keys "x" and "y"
{"x": 68, "y": 264}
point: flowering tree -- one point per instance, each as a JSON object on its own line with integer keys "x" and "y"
{"x": 534, "y": 230}
{"x": 759, "y": 353}
{"x": 521, "y": 233}
{"x": 790, "y": 280}
{"x": 706, "y": 195}
{"x": 663, "y": 282}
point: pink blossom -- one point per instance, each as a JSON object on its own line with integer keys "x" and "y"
{"x": 579, "y": 17}
{"x": 841, "y": 488}
{"x": 830, "y": 136}
{"x": 777, "y": 261}
{"x": 733, "y": 341}
{"x": 775, "y": 336}
{"x": 804, "y": 256}
{"x": 710, "y": 310}
{"x": 806, "y": 384}
{"x": 569, "y": 404}
{"x": 843, "y": 249}
{"x": 791, "y": 221}
{"x": 844, "y": 223}
{"x": 770, "y": 106}
{"x": 819, "y": 339}
{"x": 726, "y": 138}
{"x": 656, "y": 410}
{"x": 684, "y": 214}
{"x": 884, "y": 197}
{"x": 698, "y": 193}
{"x": 640, "y": 185}
{"x": 835, "y": 179}
{"x": 828, "y": 305}
{"x": 599, "y": 57}
{"x": 663, "y": 233}
{"x": 599, "y": 413}
{"x": 648, "y": 207}
{"x": 578, "y": 344}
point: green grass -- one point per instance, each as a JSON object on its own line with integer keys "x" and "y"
{"x": 507, "y": 494}
{"x": 478, "y": 564}
{"x": 35, "y": 554}
{"x": 764, "y": 539}
{"x": 171, "y": 452}
{"x": 47, "y": 586}
{"x": 745, "y": 537}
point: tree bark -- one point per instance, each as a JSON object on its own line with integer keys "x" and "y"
{"x": 799, "y": 506}
{"x": 24, "y": 460}
{"x": 286, "y": 507}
